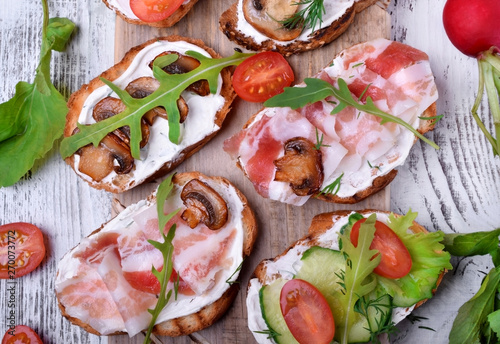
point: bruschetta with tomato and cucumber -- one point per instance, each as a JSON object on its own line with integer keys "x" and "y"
{"x": 169, "y": 274}
{"x": 352, "y": 278}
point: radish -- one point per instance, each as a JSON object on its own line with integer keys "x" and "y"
{"x": 472, "y": 27}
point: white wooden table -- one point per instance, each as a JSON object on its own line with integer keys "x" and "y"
{"x": 456, "y": 188}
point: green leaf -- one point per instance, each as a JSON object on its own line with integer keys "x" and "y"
{"x": 167, "y": 94}
{"x": 428, "y": 261}
{"x": 317, "y": 89}
{"x": 472, "y": 244}
{"x": 59, "y": 32}
{"x": 358, "y": 277}
{"x": 473, "y": 315}
{"x": 167, "y": 250}
{"x": 34, "y": 118}
{"x": 494, "y": 322}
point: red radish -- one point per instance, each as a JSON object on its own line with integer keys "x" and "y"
{"x": 472, "y": 26}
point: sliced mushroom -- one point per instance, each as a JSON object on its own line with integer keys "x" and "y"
{"x": 203, "y": 204}
{"x": 98, "y": 162}
{"x": 143, "y": 87}
{"x": 183, "y": 65}
{"x": 108, "y": 107}
{"x": 266, "y": 16}
{"x": 301, "y": 166}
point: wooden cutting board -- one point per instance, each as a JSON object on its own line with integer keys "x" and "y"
{"x": 279, "y": 224}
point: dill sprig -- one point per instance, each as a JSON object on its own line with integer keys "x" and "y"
{"x": 309, "y": 16}
{"x": 333, "y": 188}
{"x": 271, "y": 334}
{"x": 364, "y": 304}
{"x": 230, "y": 280}
{"x": 319, "y": 141}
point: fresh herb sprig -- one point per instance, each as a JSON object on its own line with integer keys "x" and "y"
{"x": 34, "y": 118}
{"x": 319, "y": 141}
{"x": 167, "y": 94}
{"x": 230, "y": 280}
{"x": 271, "y": 334}
{"x": 365, "y": 305}
{"x": 317, "y": 89}
{"x": 308, "y": 17}
{"x": 358, "y": 279}
{"x": 167, "y": 250}
{"x": 333, "y": 188}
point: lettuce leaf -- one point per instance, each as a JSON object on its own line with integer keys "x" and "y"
{"x": 428, "y": 261}
{"x": 34, "y": 118}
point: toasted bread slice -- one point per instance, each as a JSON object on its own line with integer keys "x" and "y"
{"x": 203, "y": 115}
{"x": 126, "y": 13}
{"x": 234, "y": 25}
{"x": 207, "y": 313}
{"x": 322, "y": 232}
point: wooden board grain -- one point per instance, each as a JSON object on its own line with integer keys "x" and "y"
{"x": 279, "y": 224}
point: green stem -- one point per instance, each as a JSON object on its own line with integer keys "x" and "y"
{"x": 477, "y": 103}
{"x": 492, "y": 93}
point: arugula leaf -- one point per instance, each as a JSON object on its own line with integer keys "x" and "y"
{"x": 428, "y": 261}
{"x": 167, "y": 94}
{"x": 471, "y": 244}
{"x": 469, "y": 325}
{"x": 167, "y": 250}
{"x": 317, "y": 89}
{"x": 358, "y": 279}
{"x": 34, "y": 118}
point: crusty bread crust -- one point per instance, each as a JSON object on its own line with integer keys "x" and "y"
{"x": 319, "y": 225}
{"x": 212, "y": 312}
{"x": 76, "y": 101}
{"x": 167, "y": 22}
{"x": 228, "y": 23}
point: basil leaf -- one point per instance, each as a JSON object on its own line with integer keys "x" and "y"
{"x": 34, "y": 118}
{"x": 471, "y": 317}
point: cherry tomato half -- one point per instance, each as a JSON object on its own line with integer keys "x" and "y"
{"x": 262, "y": 76}
{"x": 147, "y": 282}
{"x": 152, "y": 11}
{"x": 21, "y": 334}
{"x": 21, "y": 249}
{"x": 306, "y": 312}
{"x": 395, "y": 261}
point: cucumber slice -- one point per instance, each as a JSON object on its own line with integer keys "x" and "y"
{"x": 269, "y": 296}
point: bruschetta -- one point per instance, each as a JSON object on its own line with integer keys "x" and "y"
{"x": 335, "y": 153}
{"x": 333, "y": 273}
{"x": 111, "y": 165}
{"x": 105, "y": 283}
{"x": 282, "y": 25}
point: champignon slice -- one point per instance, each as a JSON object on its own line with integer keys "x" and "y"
{"x": 301, "y": 166}
{"x": 203, "y": 204}
{"x": 183, "y": 65}
{"x": 108, "y": 107}
{"x": 266, "y": 16}
{"x": 98, "y": 162}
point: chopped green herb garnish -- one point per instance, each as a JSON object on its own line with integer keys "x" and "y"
{"x": 229, "y": 280}
{"x": 369, "y": 164}
{"x": 432, "y": 118}
{"x": 332, "y": 188}
{"x": 364, "y": 305}
{"x": 271, "y": 334}
{"x": 319, "y": 141}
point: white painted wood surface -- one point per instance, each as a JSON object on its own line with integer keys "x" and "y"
{"x": 456, "y": 188}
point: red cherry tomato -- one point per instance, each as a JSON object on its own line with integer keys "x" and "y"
{"x": 21, "y": 334}
{"x": 147, "y": 282}
{"x": 306, "y": 312}
{"x": 262, "y": 76}
{"x": 154, "y": 10}
{"x": 395, "y": 259}
{"x": 21, "y": 249}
